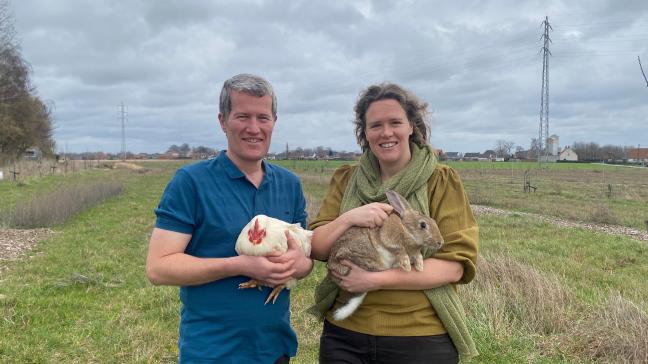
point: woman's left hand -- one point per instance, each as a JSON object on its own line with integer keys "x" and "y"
{"x": 358, "y": 280}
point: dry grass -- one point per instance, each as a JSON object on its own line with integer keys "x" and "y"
{"x": 480, "y": 197}
{"x": 507, "y": 295}
{"x": 58, "y": 206}
{"x": 45, "y": 167}
{"x": 127, "y": 165}
{"x": 509, "y": 299}
{"x": 615, "y": 333}
{"x": 602, "y": 214}
{"x": 312, "y": 206}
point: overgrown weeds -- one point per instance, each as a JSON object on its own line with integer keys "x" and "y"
{"x": 602, "y": 214}
{"x": 615, "y": 333}
{"x": 507, "y": 295}
{"x": 480, "y": 197}
{"x": 56, "y": 207}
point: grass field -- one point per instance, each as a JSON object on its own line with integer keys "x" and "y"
{"x": 543, "y": 293}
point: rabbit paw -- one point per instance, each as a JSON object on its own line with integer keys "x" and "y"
{"x": 404, "y": 262}
{"x": 418, "y": 262}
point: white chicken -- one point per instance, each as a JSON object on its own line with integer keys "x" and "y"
{"x": 265, "y": 235}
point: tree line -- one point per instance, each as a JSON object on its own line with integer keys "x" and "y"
{"x": 586, "y": 151}
{"x": 25, "y": 120}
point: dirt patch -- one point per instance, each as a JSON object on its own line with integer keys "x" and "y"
{"x": 603, "y": 228}
{"x": 16, "y": 243}
{"x": 127, "y": 165}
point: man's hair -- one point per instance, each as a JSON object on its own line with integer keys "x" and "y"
{"x": 415, "y": 109}
{"x": 249, "y": 84}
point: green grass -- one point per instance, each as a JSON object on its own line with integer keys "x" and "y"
{"x": 84, "y": 296}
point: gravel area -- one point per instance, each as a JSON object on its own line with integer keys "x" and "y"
{"x": 603, "y": 228}
{"x": 17, "y": 243}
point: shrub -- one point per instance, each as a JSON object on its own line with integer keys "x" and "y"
{"x": 479, "y": 197}
{"x": 602, "y": 215}
{"x": 58, "y": 206}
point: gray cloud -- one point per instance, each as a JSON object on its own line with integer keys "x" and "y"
{"x": 476, "y": 63}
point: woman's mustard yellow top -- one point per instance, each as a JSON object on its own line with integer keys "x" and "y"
{"x": 409, "y": 312}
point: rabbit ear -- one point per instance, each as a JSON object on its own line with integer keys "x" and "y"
{"x": 398, "y": 202}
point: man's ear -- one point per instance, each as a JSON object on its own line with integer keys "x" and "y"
{"x": 221, "y": 120}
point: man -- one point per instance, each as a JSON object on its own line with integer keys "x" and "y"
{"x": 199, "y": 218}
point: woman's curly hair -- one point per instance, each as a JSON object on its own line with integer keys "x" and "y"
{"x": 415, "y": 109}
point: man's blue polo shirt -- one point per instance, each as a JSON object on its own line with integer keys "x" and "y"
{"x": 212, "y": 200}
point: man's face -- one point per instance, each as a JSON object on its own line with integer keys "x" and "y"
{"x": 248, "y": 128}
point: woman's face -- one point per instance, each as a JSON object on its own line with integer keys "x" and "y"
{"x": 387, "y": 131}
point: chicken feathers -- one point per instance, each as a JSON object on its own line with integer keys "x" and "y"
{"x": 265, "y": 235}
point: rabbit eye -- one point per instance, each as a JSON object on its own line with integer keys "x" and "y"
{"x": 423, "y": 225}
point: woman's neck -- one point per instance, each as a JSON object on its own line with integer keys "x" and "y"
{"x": 388, "y": 171}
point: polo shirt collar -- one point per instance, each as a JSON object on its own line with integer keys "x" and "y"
{"x": 234, "y": 172}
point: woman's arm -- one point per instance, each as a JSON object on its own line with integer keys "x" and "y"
{"x": 436, "y": 273}
{"x": 370, "y": 215}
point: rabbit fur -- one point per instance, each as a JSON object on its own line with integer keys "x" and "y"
{"x": 396, "y": 244}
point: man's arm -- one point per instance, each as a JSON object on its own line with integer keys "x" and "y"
{"x": 168, "y": 264}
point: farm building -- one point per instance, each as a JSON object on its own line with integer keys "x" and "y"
{"x": 470, "y": 156}
{"x": 452, "y": 156}
{"x": 33, "y": 153}
{"x": 636, "y": 155}
{"x": 568, "y": 154}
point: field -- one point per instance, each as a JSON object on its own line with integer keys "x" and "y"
{"x": 545, "y": 293}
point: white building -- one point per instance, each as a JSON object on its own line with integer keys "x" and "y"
{"x": 568, "y": 154}
{"x": 553, "y": 145}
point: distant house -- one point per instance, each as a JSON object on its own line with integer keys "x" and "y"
{"x": 453, "y": 156}
{"x": 33, "y": 153}
{"x": 568, "y": 154}
{"x": 472, "y": 156}
{"x": 636, "y": 155}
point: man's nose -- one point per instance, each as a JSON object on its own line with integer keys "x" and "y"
{"x": 253, "y": 126}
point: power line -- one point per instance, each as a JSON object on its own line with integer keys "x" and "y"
{"x": 122, "y": 113}
{"x": 642, "y": 71}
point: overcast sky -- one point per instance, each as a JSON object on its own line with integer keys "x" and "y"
{"x": 476, "y": 63}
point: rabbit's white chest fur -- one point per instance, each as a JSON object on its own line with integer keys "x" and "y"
{"x": 387, "y": 258}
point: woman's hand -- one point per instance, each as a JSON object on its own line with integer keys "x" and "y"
{"x": 358, "y": 280}
{"x": 370, "y": 215}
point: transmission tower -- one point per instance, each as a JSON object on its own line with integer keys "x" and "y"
{"x": 122, "y": 115}
{"x": 543, "y": 133}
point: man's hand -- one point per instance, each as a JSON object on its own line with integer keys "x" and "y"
{"x": 264, "y": 270}
{"x": 295, "y": 254}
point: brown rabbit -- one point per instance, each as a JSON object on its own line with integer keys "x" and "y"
{"x": 397, "y": 243}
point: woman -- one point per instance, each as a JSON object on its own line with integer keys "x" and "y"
{"x": 404, "y": 316}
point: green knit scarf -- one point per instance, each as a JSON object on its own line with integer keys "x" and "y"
{"x": 365, "y": 186}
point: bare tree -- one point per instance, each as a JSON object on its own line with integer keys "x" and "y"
{"x": 7, "y": 32}
{"x": 503, "y": 148}
{"x": 25, "y": 120}
{"x": 534, "y": 148}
